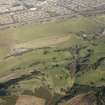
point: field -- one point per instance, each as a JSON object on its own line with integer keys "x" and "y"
{"x": 48, "y": 55}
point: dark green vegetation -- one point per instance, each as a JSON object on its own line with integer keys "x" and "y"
{"x": 54, "y": 66}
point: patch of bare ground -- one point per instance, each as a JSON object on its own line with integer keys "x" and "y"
{"x": 82, "y": 99}
{"x": 29, "y": 100}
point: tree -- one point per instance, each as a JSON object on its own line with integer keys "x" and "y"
{"x": 75, "y": 63}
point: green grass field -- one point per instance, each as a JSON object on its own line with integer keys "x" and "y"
{"x": 92, "y": 78}
{"x": 53, "y": 61}
{"x": 26, "y": 33}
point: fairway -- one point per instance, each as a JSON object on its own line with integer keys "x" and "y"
{"x": 44, "y": 42}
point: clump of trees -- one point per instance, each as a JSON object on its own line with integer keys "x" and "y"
{"x": 78, "y": 62}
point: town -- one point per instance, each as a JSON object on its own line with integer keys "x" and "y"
{"x": 13, "y": 12}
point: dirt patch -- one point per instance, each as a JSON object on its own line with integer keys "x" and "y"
{"x": 30, "y": 100}
{"x": 82, "y": 99}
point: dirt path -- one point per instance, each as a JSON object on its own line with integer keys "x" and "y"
{"x": 44, "y": 42}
